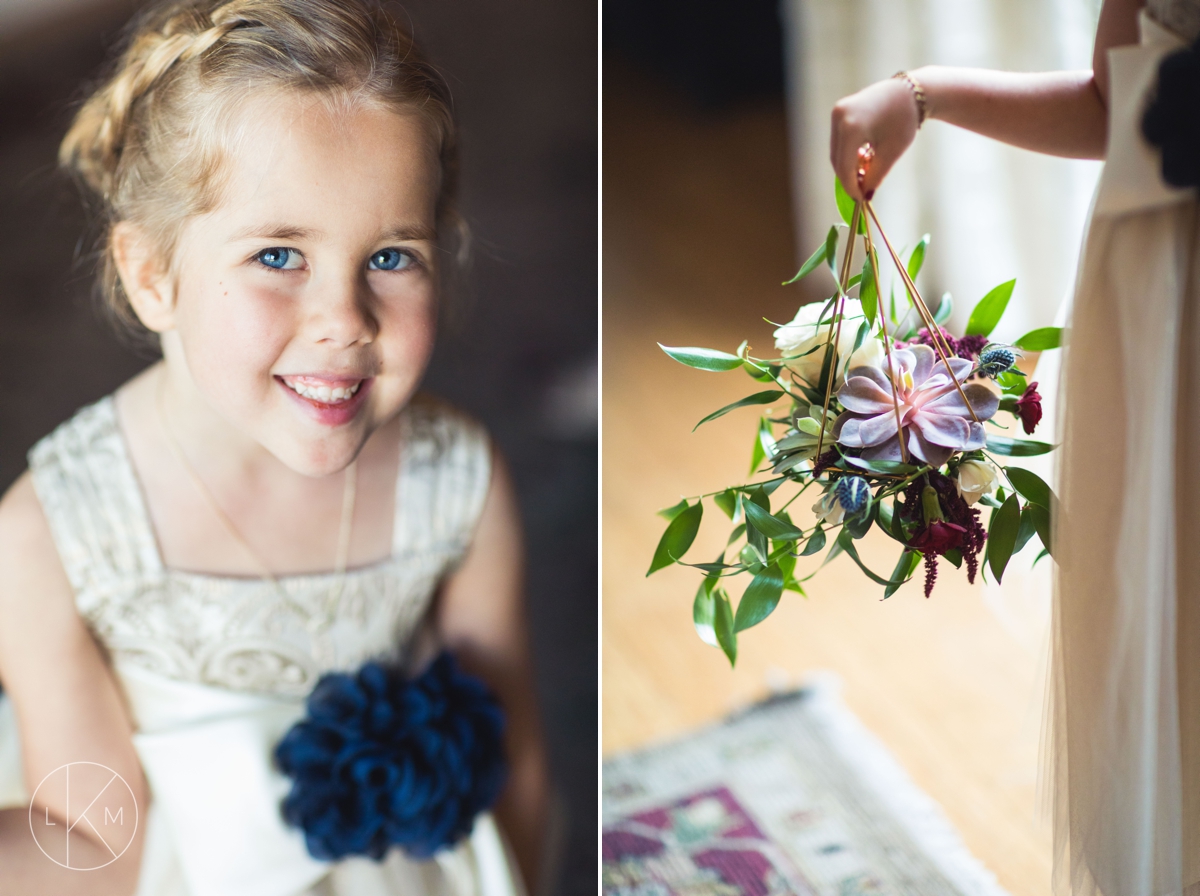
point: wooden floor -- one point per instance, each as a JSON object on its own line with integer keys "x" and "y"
{"x": 697, "y": 237}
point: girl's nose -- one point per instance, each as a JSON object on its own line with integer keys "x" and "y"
{"x": 340, "y": 314}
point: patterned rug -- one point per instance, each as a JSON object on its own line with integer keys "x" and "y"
{"x": 793, "y": 797}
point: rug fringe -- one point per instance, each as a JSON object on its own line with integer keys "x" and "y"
{"x": 920, "y": 815}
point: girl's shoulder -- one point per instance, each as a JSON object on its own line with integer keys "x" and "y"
{"x": 445, "y": 473}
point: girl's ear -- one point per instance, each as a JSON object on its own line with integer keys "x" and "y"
{"x": 144, "y": 277}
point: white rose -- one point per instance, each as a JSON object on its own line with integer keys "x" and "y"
{"x": 829, "y": 509}
{"x": 976, "y": 478}
{"x": 802, "y": 340}
{"x": 869, "y": 354}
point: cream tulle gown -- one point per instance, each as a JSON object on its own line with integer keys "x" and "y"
{"x": 1126, "y": 683}
{"x": 216, "y": 669}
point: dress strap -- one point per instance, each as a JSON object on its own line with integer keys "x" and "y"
{"x": 92, "y": 501}
{"x": 445, "y": 471}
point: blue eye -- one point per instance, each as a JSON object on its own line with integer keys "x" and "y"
{"x": 391, "y": 260}
{"x": 280, "y": 259}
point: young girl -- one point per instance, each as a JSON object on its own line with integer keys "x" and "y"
{"x": 272, "y": 501}
{"x": 1126, "y": 685}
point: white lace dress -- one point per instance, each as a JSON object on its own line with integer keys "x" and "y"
{"x": 1126, "y": 685}
{"x": 216, "y": 668}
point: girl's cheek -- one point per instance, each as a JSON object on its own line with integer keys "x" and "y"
{"x": 236, "y": 332}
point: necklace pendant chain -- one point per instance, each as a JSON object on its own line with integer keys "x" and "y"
{"x": 315, "y": 622}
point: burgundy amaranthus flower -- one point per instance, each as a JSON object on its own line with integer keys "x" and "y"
{"x": 960, "y": 529}
{"x": 825, "y": 461}
{"x": 1029, "y": 408}
{"x": 967, "y": 347}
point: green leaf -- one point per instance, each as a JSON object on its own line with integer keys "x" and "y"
{"x": 723, "y": 626}
{"x": 1030, "y": 485}
{"x": 703, "y": 614}
{"x": 760, "y": 598}
{"x": 955, "y": 557}
{"x": 944, "y": 309}
{"x": 917, "y": 258}
{"x": 759, "y": 495}
{"x": 703, "y": 358}
{"x": 751, "y": 559}
{"x": 846, "y": 206}
{"x": 845, "y": 541}
{"x": 764, "y": 445}
{"x": 815, "y": 259}
{"x": 759, "y": 372}
{"x": 863, "y": 329}
{"x": 677, "y": 538}
{"x": 1042, "y": 553}
{"x": 787, "y": 566}
{"x": 1016, "y": 447}
{"x": 737, "y": 533}
{"x": 861, "y": 524}
{"x": 882, "y": 466}
{"x": 1041, "y": 339}
{"x": 815, "y": 542}
{"x": 990, "y": 309}
{"x": 757, "y": 455}
{"x": 756, "y": 541}
{"x": 769, "y": 525}
{"x": 1041, "y": 522}
{"x": 868, "y": 293}
{"x": 669, "y": 513}
{"x": 757, "y": 398}
{"x": 727, "y": 501}
{"x": 1002, "y": 535}
{"x": 1027, "y": 528}
{"x": 831, "y": 244}
{"x": 905, "y": 567}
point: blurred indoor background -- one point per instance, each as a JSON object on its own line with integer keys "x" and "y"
{"x": 523, "y": 75}
{"x": 716, "y": 186}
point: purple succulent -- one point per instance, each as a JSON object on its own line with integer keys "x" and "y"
{"x": 935, "y": 419}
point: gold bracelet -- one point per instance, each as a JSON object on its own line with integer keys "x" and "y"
{"x": 918, "y": 94}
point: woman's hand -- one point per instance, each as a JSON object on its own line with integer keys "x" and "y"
{"x": 884, "y": 115}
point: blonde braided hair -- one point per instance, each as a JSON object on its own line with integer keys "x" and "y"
{"x": 148, "y": 142}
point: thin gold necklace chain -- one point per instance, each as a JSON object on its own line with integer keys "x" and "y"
{"x": 345, "y": 527}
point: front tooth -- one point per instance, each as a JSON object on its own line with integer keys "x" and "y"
{"x": 323, "y": 392}
{"x": 338, "y": 394}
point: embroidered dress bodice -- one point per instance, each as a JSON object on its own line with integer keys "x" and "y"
{"x": 1180, "y": 16}
{"x": 216, "y": 669}
{"x": 247, "y": 634}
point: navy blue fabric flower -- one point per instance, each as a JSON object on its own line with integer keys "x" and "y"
{"x": 383, "y": 761}
{"x": 1172, "y": 120}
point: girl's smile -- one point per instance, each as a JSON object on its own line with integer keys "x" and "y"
{"x": 330, "y": 400}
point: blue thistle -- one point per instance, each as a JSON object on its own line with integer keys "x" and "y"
{"x": 996, "y": 359}
{"x": 852, "y": 492}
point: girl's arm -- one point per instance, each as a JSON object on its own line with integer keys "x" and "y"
{"x": 1058, "y": 113}
{"x": 482, "y": 620}
{"x": 69, "y": 709}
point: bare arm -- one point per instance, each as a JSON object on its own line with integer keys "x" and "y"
{"x": 1057, "y": 113}
{"x": 69, "y": 710}
{"x": 482, "y": 619}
